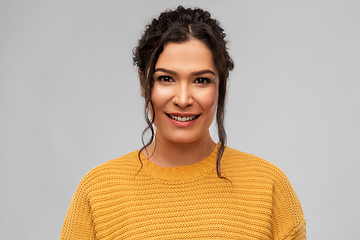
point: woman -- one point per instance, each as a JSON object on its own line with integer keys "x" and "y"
{"x": 181, "y": 184}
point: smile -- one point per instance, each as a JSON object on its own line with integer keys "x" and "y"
{"x": 183, "y": 119}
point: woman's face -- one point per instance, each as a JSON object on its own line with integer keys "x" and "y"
{"x": 185, "y": 92}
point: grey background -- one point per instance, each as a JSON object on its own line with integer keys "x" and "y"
{"x": 70, "y": 100}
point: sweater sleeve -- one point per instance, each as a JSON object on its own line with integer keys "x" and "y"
{"x": 288, "y": 218}
{"x": 78, "y": 222}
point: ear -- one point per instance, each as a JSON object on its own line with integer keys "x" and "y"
{"x": 142, "y": 89}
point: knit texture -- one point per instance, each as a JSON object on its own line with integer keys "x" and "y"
{"x": 117, "y": 201}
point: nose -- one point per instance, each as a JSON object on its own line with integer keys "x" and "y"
{"x": 182, "y": 96}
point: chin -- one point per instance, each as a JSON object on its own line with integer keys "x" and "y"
{"x": 185, "y": 138}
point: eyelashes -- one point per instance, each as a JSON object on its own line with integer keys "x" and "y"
{"x": 165, "y": 79}
{"x": 168, "y": 79}
{"x": 202, "y": 80}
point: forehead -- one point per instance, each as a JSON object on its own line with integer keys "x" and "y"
{"x": 192, "y": 55}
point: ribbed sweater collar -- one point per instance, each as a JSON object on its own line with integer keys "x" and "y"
{"x": 183, "y": 173}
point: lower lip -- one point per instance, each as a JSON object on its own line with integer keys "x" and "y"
{"x": 182, "y": 124}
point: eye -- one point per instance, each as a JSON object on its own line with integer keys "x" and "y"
{"x": 202, "y": 80}
{"x": 165, "y": 79}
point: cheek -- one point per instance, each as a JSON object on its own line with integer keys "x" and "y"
{"x": 209, "y": 100}
{"x": 160, "y": 96}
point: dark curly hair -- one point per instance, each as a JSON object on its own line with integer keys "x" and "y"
{"x": 180, "y": 25}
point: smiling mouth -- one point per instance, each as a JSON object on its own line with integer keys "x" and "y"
{"x": 182, "y": 119}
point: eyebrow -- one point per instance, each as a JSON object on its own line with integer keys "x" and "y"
{"x": 192, "y": 74}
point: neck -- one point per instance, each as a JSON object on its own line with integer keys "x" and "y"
{"x": 166, "y": 153}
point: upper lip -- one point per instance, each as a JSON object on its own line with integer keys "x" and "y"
{"x": 182, "y": 114}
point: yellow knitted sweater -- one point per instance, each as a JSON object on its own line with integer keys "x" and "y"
{"x": 116, "y": 201}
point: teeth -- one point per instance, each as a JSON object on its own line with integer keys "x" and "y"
{"x": 182, "y": 119}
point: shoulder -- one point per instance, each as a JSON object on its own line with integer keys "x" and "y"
{"x": 240, "y": 165}
{"x": 247, "y": 170}
{"x": 250, "y": 162}
{"x": 121, "y": 167}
